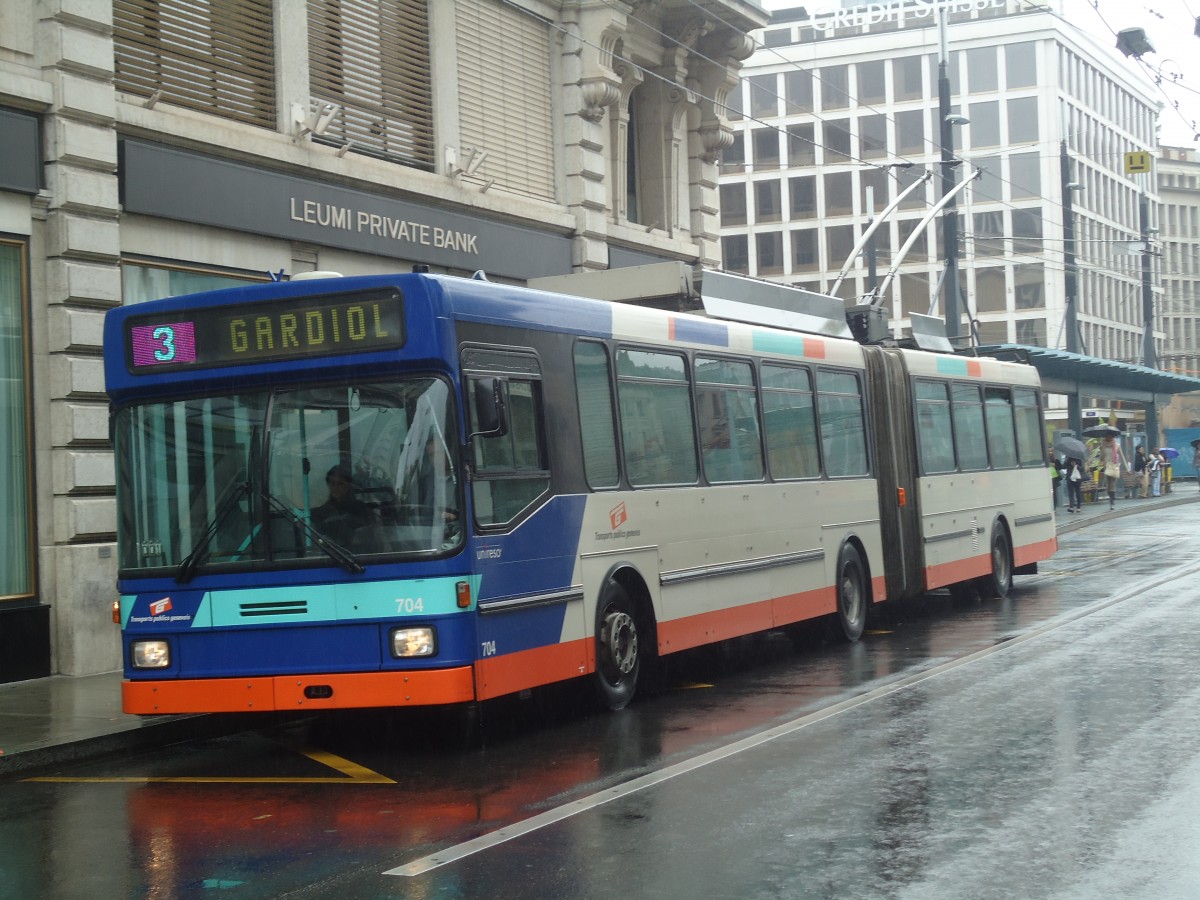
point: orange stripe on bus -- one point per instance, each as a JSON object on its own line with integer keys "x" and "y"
{"x": 500, "y": 675}
{"x": 959, "y": 570}
{"x": 974, "y": 368}
{"x": 351, "y": 690}
{"x": 814, "y": 349}
{"x": 1030, "y": 553}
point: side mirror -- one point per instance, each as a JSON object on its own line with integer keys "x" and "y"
{"x": 491, "y": 414}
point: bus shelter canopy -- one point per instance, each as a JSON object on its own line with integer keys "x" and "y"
{"x": 1073, "y": 373}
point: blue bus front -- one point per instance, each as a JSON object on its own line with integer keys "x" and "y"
{"x": 290, "y": 499}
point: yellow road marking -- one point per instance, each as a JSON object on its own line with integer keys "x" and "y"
{"x": 351, "y": 773}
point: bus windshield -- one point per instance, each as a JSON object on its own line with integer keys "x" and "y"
{"x": 319, "y": 475}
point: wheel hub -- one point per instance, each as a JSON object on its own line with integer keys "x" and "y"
{"x": 619, "y": 638}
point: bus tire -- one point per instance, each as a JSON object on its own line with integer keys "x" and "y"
{"x": 852, "y": 596}
{"x": 618, "y": 648}
{"x": 996, "y": 585}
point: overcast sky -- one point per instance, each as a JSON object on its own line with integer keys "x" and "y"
{"x": 1169, "y": 26}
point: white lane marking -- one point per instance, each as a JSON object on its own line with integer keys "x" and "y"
{"x": 483, "y": 842}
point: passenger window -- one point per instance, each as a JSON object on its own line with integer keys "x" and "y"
{"x": 1029, "y": 428}
{"x": 790, "y": 422}
{"x": 968, "y": 428}
{"x": 1001, "y": 440}
{"x": 935, "y": 437}
{"x": 728, "y": 417}
{"x": 597, "y": 419}
{"x": 656, "y": 418}
{"x": 840, "y": 414}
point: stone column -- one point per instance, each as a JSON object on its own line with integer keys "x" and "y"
{"x": 75, "y": 484}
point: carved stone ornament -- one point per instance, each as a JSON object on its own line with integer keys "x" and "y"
{"x": 598, "y": 93}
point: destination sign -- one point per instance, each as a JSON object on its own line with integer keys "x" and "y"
{"x": 291, "y": 328}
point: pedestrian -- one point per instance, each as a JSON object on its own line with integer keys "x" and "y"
{"x": 1055, "y": 474}
{"x": 1154, "y": 466}
{"x": 1196, "y": 458}
{"x": 1074, "y": 476}
{"x": 1112, "y": 461}
{"x": 1139, "y": 469}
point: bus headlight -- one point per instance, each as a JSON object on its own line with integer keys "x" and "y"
{"x": 408, "y": 642}
{"x": 150, "y": 654}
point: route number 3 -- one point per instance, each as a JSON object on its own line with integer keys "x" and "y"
{"x": 165, "y": 335}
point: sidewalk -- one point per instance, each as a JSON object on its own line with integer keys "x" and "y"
{"x": 49, "y": 721}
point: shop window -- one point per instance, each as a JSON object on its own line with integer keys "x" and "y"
{"x": 16, "y": 463}
{"x": 141, "y": 281}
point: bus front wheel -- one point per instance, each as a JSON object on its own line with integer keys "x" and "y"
{"x": 852, "y": 597}
{"x": 618, "y": 649}
{"x": 996, "y": 585}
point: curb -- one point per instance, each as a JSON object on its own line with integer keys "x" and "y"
{"x": 1121, "y": 510}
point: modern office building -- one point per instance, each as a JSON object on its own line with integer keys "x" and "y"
{"x": 156, "y": 147}
{"x": 842, "y": 105}
{"x": 1179, "y": 240}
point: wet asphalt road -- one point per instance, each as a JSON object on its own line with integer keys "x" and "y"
{"x": 1043, "y": 746}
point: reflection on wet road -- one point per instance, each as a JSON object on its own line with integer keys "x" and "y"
{"x": 1043, "y": 746}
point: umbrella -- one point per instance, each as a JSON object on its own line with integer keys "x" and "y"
{"x": 1168, "y": 452}
{"x": 1102, "y": 431}
{"x": 1070, "y": 447}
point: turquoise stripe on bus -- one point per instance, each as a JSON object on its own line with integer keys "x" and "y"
{"x": 787, "y": 344}
{"x": 948, "y": 365}
{"x": 337, "y": 602}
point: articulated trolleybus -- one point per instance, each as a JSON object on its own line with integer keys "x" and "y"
{"x": 427, "y": 490}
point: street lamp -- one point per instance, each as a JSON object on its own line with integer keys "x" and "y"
{"x": 1070, "y": 282}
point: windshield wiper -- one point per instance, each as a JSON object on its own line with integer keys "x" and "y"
{"x": 332, "y": 548}
{"x": 187, "y": 568}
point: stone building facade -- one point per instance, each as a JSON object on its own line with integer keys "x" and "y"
{"x": 156, "y": 148}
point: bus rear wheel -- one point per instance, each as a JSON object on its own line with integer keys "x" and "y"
{"x": 996, "y": 585}
{"x": 852, "y": 596}
{"x": 618, "y": 649}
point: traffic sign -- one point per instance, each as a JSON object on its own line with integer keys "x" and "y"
{"x": 1137, "y": 162}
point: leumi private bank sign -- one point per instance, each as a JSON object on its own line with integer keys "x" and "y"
{"x": 824, "y": 17}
